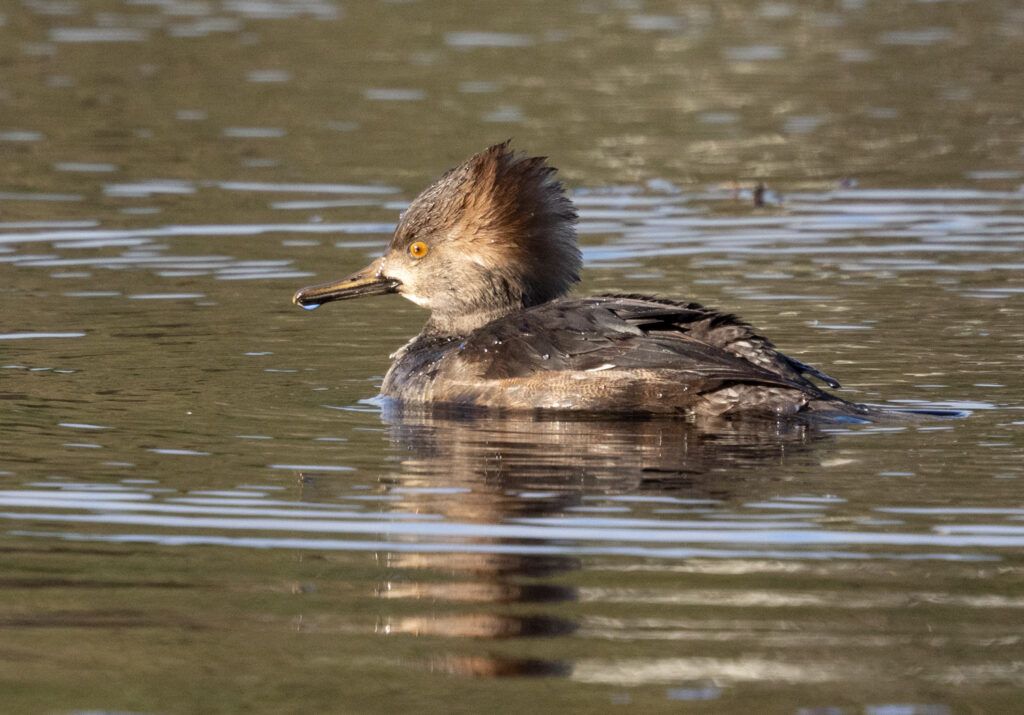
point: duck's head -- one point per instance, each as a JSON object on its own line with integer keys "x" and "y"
{"x": 493, "y": 235}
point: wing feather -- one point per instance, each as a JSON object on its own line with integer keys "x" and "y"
{"x": 633, "y": 332}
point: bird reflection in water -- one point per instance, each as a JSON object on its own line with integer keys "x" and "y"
{"x": 487, "y": 469}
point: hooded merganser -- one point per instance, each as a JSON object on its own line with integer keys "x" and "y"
{"x": 490, "y": 249}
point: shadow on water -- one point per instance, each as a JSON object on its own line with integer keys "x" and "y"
{"x": 543, "y": 469}
{"x": 578, "y": 454}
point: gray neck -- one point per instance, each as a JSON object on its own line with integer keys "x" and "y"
{"x": 462, "y": 324}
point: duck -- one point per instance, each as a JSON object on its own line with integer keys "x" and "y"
{"x": 490, "y": 250}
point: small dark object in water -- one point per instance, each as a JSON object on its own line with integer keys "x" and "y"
{"x": 759, "y": 195}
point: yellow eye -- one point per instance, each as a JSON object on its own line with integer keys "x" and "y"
{"x": 418, "y": 249}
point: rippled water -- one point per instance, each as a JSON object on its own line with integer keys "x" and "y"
{"x": 204, "y": 509}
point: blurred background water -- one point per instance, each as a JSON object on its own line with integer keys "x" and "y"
{"x": 205, "y": 511}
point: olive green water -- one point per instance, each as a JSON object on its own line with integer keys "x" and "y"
{"x": 204, "y": 511}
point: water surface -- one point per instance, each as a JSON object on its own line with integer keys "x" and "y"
{"x": 204, "y": 509}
